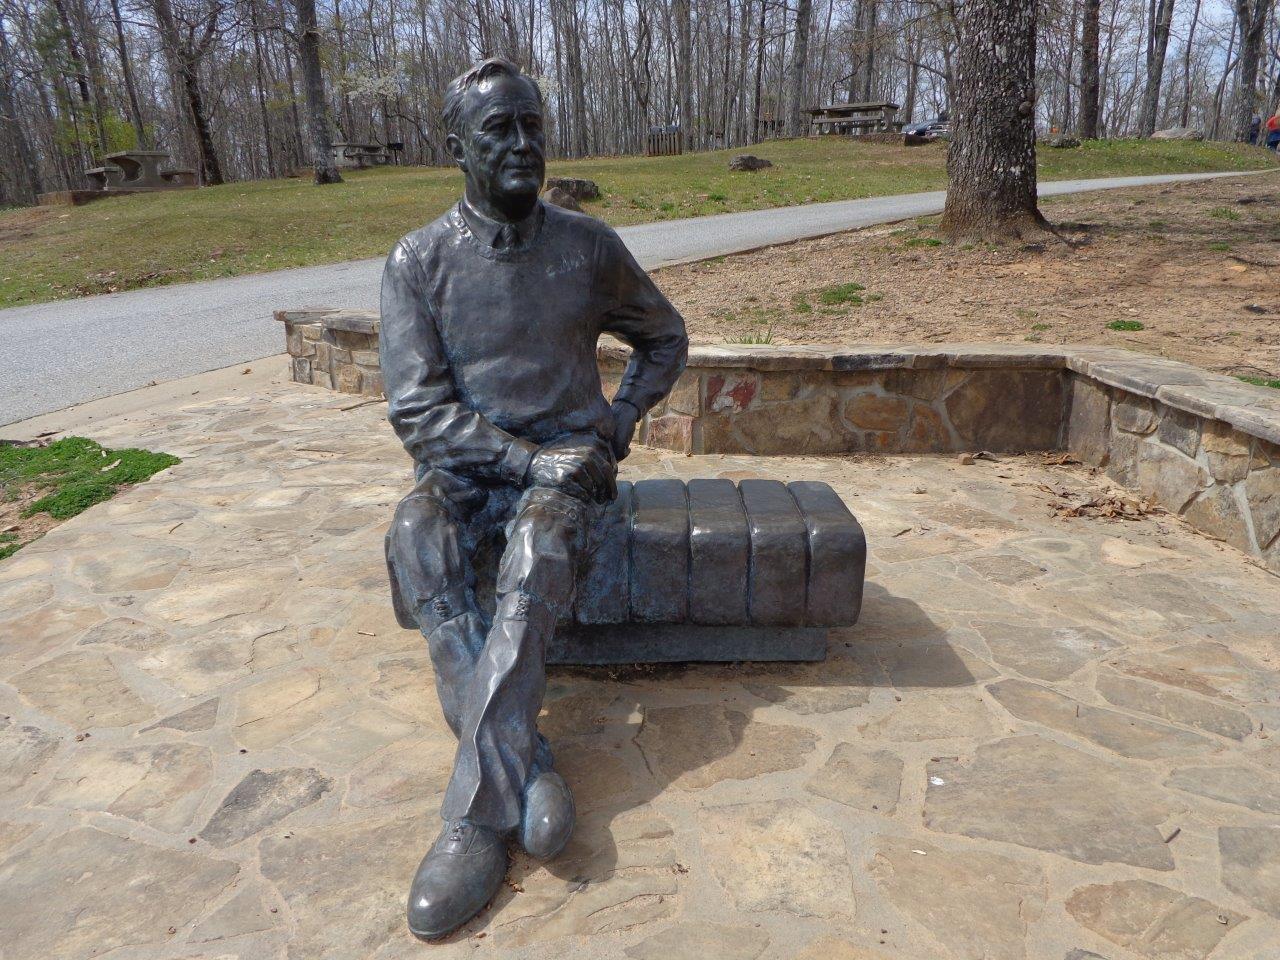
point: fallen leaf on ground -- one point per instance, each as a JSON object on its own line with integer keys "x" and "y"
{"x": 1110, "y": 506}
{"x": 1059, "y": 460}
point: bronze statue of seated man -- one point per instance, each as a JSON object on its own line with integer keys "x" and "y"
{"x": 490, "y": 317}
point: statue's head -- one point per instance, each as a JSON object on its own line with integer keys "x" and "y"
{"x": 493, "y": 115}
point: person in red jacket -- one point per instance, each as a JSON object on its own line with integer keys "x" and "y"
{"x": 1273, "y": 131}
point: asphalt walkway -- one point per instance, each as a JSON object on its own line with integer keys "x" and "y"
{"x": 70, "y": 351}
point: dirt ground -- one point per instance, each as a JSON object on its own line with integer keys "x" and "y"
{"x": 1198, "y": 265}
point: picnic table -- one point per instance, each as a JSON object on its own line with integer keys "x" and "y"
{"x": 359, "y": 155}
{"x": 138, "y": 170}
{"x": 873, "y": 116}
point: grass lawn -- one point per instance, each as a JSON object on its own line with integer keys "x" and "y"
{"x": 41, "y": 485}
{"x": 53, "y": 253}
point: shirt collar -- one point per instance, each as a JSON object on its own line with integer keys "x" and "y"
{"x": 486, "y": 229}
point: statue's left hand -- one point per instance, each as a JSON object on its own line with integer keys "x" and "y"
{"x": 625, "y": 418}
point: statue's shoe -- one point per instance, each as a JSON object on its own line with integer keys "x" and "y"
{"x": 459, "y": 875}
{"x": 548, "y": 817}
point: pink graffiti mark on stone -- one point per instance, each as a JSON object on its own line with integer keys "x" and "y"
{"x": 737, "y": 397}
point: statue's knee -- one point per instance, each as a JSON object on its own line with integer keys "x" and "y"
{"x": 542, "y": 546}
{"x": 425, "y": 548}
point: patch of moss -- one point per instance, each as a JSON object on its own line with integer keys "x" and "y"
{"x": 77, "y": 472}
{"x": 1126, "y": 325}
{"x": 1261, "y": 382}
{"x": 841, "y": 293}
{"x": 922, "y": 242}
{"x": 1224, "y": 213}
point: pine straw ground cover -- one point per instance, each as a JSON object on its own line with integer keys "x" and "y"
{"x": 41, "y": 485}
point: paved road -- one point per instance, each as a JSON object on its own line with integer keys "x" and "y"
{"x": 59, "y": 354}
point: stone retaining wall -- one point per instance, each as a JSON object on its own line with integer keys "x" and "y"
{"x": 815, "y": 401}
{"x": 1202, "y": 445}
{"x": 337, "y": 349}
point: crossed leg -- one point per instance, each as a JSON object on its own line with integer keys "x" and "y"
{"x": 490, "y": 672}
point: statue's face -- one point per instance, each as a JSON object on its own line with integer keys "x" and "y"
{"x": 501, "y": 148}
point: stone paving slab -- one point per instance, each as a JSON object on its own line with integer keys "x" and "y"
{"x": 1046, "y": 738}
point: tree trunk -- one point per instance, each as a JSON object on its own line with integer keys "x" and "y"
{"x": 9, "y": 116}
{"x": 992, "y": 159}
{"x": 126, "y": 69}
{"x": 870, "y": 26}
{"x": 313, "y": 87}
{"x": 799, "y": 59}
{"x": 1069, "y": 66}
{"x": 1185, "y": 117}
{"x": 81, "y": 74}
{"x": 1222, "y": 82}
{"x": 1252, "y": 18}
{"x": 755, "y": 105}
{"x": 210, "y": 166}
{"x": 1157, "y": 46}
{"x": 682, "y": 11}
{"x": 183, "y": 62}
{"x": 1089, "y": 70}
{"x": 260, "y": 77}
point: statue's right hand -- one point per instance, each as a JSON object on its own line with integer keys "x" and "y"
{"x": 586, "y": 472}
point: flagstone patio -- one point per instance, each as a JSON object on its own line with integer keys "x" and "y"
{"x": 1047, "y": 738}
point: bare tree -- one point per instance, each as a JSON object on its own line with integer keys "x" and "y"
{"x": 1251, "y": 16}
{"x": 186, "y": 41}
{"x": 799, "y": 64}
{"x": 27, "y": 172}
{"x": 992, "y": 160}
{"x": 1088, "y": 126}
{"x": 682, "y": 11}
{"x": 313, "y": 83}
{"x": 126, "y": 71}
{"x": 1160, "y": 20}
{"x": 1184, "y": 117}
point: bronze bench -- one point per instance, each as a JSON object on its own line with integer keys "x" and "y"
{"x": 710, "y": 571}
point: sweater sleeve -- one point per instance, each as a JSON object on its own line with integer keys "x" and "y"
{"x": 643, "y": 319}
{"x": 436, "y": 427}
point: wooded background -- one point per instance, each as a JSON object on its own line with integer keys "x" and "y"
{"x": 220, "y": 83}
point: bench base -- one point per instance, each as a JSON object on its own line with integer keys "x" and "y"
{"x": 617, "y": 643}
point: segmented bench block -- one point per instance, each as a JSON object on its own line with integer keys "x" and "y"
{"x": 659, "y": 552}
{"x": 711, "y": 570}
{"x": 719, "y": 553}
{"x": 759, "y": 553}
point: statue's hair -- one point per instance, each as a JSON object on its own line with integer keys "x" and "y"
{"x": 456, "y": 92}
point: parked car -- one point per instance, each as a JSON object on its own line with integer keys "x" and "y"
{"x": 939, "y": 128}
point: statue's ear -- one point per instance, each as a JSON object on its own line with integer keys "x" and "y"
{"x": 453, "y": 143}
